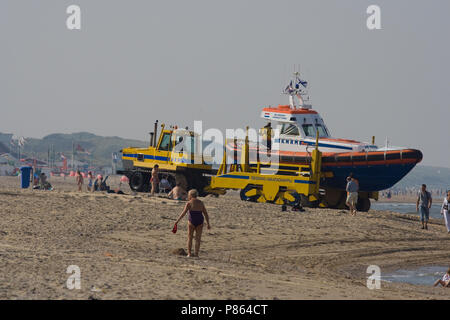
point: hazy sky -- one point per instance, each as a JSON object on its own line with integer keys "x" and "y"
{"x": 221, "y": 61}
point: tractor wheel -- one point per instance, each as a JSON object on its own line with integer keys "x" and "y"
{"x": 137, "y": 182}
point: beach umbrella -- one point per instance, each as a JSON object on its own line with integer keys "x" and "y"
{"x": 62, "y": 175}
{"x": 124, "y": 179}
{"x": 72, "y": 174}
{"x": 83, "y": 174}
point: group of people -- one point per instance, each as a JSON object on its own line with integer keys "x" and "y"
{"x": 94, "y": 184}
{"x": 40, "y": 181}
{"x": 176, "y": 193}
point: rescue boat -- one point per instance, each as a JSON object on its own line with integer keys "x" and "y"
{"x": 294, "y": 130}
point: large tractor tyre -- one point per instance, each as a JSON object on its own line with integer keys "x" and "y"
{"x": 363, "y": 204}
{"x": 137, "y": 182}
{"x": 196, "y": 181}
{"x": 305, "y": 202}
{"x": 244, "y": 197}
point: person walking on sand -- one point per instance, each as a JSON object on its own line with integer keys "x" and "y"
{"x": 424, "y": 201}
{"x": 445, "y": 281}
{"x": 445, "y": 211}
{"x": 352, "y": 194}
{"x": 79, "y": 180}
{"x": 197, "y": 211}
{"x": 154, "y": 180}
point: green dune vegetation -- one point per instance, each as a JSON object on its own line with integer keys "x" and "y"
{"x": 96, "y": 150}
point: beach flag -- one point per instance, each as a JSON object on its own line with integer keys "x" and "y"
{"x": 302, "y": 82}
{"x": 81, "y": 149}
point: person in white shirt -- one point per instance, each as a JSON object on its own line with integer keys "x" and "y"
{"x": 445, "y": 211}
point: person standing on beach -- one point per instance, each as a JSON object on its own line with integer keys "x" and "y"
{"x": 154, "y": 180}
{"x": 445, "y": 211}
{"x": 352, "y": 194}
{"x": 90, "y": 186}
{"x": 197, "y": 211}
{"x": 424, "y": 201}
{"x": 79, "y": 180}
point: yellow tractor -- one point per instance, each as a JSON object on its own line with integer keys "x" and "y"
{"x": 185, "y": 166}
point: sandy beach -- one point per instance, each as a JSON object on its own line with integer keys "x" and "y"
{"x": 125, "y": 249}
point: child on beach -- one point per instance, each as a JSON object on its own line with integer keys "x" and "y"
{"x": 197, "y": 211}
{"x": 445, "y": 211}
{"x": 79, "y": 180}
{"x": 445, "y": 281}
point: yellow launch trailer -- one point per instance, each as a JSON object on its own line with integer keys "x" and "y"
{"x": 274, "y": 188}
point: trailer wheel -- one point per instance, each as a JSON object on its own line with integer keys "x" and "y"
{"x": 363, "y": 204}
{"x": 244, "y": 197}
{"x": 137, "y": 182}
{"x": 308, "y": 204}
{"x": 297, "y": 200}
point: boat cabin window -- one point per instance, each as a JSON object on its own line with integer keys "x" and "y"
{"x": 290, "y": 129}
{"x": 165, "y": 142}
{"x": 323, "y": 133}
{"x": 309, "y": 130}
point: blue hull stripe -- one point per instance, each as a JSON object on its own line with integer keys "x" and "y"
{"x": 182, "y": 160}
{"x": 234, "y": 176}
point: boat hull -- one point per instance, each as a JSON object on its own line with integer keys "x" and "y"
{"x": 375, "y": 170}
{"x": 370, "y": 177}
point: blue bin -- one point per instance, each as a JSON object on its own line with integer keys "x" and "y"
{"x": 25, "y": 173}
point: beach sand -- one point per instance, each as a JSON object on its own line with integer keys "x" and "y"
{"x": 124, "y": 247}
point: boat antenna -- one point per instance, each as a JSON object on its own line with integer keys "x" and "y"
{"x": 297, "y": 88}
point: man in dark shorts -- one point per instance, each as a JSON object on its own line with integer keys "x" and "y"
{"x": 424, "y": 201}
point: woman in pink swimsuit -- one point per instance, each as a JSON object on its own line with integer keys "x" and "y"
{"x": 197, "y": 211}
